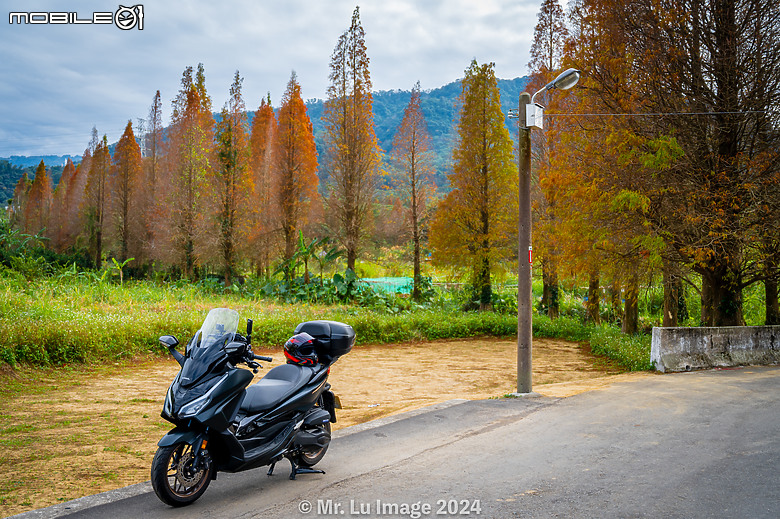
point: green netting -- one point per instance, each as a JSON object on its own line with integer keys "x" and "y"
{"x": 401, "y": 285}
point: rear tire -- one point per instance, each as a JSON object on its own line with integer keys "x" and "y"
{"x": 173, "y": 478}
{"x": 309, "y": 459}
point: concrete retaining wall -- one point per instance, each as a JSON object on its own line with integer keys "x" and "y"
{"x": 684, "y": 349}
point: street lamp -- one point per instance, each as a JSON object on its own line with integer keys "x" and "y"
{"x": 531, "y": 115}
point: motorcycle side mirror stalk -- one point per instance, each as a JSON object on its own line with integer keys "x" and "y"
{"x": 170, "y": 342}
{"x": 249, "y": 323}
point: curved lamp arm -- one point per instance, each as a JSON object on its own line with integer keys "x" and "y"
{"x": 564, "y": 81}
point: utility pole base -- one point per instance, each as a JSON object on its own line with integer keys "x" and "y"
{"x": 524, "y": 395}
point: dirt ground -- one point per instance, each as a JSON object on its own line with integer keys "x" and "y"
{"x": 76, "y": 431}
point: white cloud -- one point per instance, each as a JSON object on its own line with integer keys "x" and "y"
{"x": 59, "y": 81}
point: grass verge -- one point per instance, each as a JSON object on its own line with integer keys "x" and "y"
{"x": 61, "y": 321}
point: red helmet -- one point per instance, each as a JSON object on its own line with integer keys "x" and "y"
{"x": 300, "y": 349}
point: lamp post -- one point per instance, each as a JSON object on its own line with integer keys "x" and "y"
{"x": 531, "y": 115}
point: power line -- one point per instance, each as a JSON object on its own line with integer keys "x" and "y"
{"x": 656, "y": 114}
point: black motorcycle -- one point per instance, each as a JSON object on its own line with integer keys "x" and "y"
{"x": 224, "y": 424}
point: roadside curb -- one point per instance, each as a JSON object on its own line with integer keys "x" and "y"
{"x": 86, "y": 502}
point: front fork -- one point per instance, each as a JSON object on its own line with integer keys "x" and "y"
{"x": 200, "y": 446}
{"x": 198, "y": 440}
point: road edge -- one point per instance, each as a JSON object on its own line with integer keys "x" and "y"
{"x": 110, "y": 496}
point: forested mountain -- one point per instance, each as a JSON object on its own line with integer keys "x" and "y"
{"x": 440, "y": 107}
{"x": 33, "y": 160}
{"x": 11, "y": 173}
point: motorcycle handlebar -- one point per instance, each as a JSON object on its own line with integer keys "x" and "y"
{"x": 265, "y": 359}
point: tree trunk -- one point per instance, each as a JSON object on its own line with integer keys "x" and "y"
{"x": 706, "y": 302}
{"x": 99, "y": 247}
{"x": 594, "y": 296}
{"x": 289, "y": 242}
{"x": 228, "y": 257}
{"x": 483, "y": 284}
{"x": 550, "y": 287}
{"x": 727, "y": 304}
{"x": 417, "y": 280}
{"x": 671, "y": 296}
{"x": 770, "y": 288}
{"x": 615, "y": 299}
{"x": 725, "y": 293}
{"x": 416, "y": 241}
{"x": 631, "y": 312}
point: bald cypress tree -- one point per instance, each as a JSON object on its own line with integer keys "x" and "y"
{"x": 412, "y": 156}
{"x": 351, "y": 150}
{"x": 96, "y": 199}
{"x": 296, "y": 164}
{"x": 475, "y": 223}
{"x": 126, "y": 187}
{"x": 231, "y": 181}
{"x": 265, "y": 215}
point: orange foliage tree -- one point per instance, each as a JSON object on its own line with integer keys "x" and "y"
{"x": 474, "y": 224}
{"x": 351, "y": 150}
{"x": 547, "y": 52}
{"x": 127, "y": 224}
{"x": 182, "y": 228}
{"x": 58, "y": 220}
{"x": 38, "y": 204}
{"x": 264, "y": 223}
{"x": 96, "y": 198}
{"x": 231, "y": 182}
{"x": 295, "y": 158}
{"x": 19, "y": 201}
{"x": 700, "y": 169}
{"x": 412, "y": 156}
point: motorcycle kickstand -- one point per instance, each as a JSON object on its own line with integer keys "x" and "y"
{"x": 298, "y": 470}
{"x": 271, "y": 469}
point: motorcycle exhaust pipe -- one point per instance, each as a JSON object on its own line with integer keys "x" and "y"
{"x": 316, "y": 439}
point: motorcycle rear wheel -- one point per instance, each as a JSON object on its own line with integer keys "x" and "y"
{"x": 309, "y": 459}
{"x": 174, "y": 479}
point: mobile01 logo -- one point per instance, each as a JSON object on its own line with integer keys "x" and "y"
{"x": 125, "y": 18}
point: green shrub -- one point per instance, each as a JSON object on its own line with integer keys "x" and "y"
{"x": 631, "y": 351}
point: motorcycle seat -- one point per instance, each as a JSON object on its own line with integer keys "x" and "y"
{"x": 279, "y": 383}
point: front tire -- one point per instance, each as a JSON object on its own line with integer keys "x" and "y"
{"x": 174, "y": 479}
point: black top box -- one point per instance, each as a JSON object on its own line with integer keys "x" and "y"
{"x": 334, "y": 339}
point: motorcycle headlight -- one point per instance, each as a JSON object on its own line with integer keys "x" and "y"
{"x": 168, "y": 405}
{"x": 192, "y": 408}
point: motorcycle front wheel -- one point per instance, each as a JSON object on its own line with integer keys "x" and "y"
{"x": 174, "y": 478}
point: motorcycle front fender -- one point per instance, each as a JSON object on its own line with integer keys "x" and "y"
{"x": 181, "y": 435}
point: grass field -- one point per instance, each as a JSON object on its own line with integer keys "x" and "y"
{"x": 70, "y": 319}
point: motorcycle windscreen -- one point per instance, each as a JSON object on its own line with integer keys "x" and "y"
{"x": 206, "y": 349}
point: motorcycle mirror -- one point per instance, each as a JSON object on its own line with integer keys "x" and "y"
{"x": 169, "y": 341}
{"x": 249, "y": 323}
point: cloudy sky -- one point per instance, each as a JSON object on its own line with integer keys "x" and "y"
{"x": 57, "y": 81}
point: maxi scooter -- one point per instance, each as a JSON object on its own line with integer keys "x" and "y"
{"x": 224, "y": 424}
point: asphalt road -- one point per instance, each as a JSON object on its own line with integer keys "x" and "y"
{"x": 690, "y": 445}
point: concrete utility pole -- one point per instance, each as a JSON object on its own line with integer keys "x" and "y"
{"x": 530, "y": 115}
{"x": 524, "y": 296}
